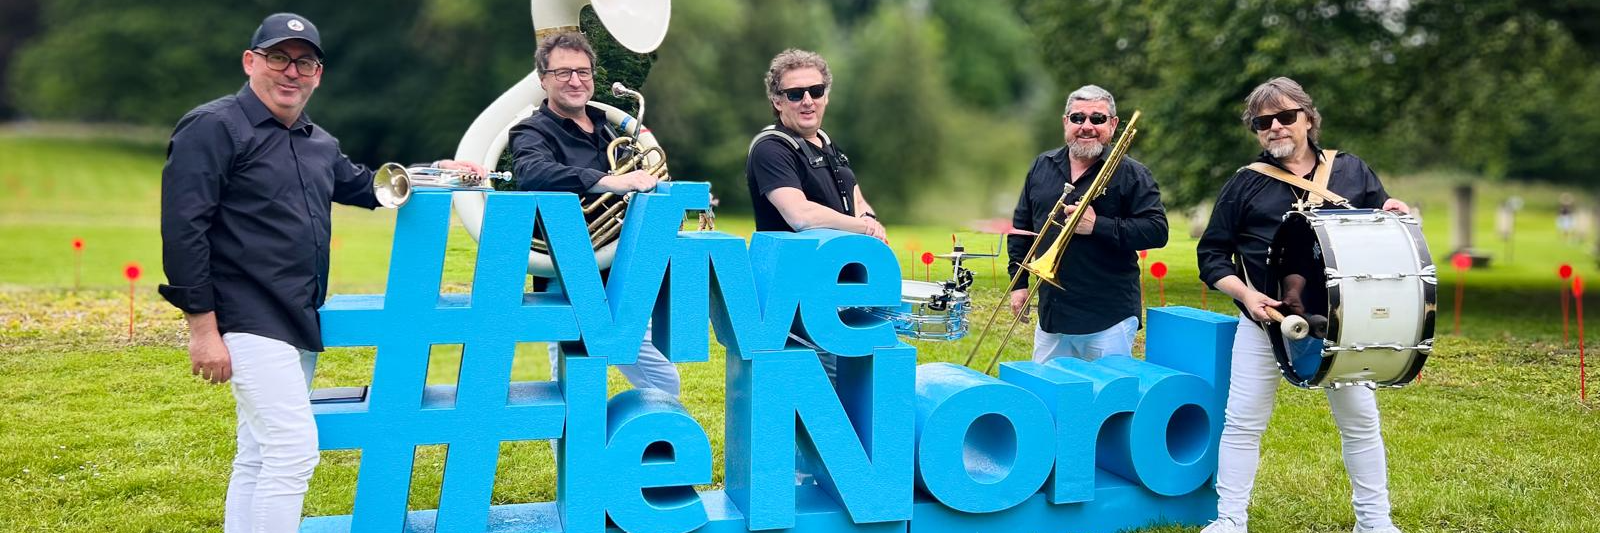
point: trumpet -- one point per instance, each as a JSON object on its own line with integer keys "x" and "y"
{"x": 1047, "y": 265}
{"x": 393, "y": 183}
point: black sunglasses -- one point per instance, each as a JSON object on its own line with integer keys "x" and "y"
{"x": 1096, "y": 119}
{"x": 1285, "y": 117}
{"x": 797, "y": 94}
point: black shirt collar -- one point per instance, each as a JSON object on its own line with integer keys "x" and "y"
{"x": 596, "y": 116}
{"x": 1060, "y": 155}
{"x": 257, "y": 112}
{"x": 1267, "y": 157}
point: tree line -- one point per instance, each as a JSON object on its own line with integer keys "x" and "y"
{"x": 941, "y": 104}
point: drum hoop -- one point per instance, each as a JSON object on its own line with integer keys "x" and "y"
{"x": 1280, "y": 350}
{"x": 1430, "y": 302}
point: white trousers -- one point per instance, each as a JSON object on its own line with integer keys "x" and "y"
{"x": 1115, "y": 340}
{"x": 651, "y": 371}
{"x": 1251, "y": 393}
{"x": 277, "y": 436}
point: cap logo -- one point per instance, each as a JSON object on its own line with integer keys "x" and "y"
{"x": 296, "y": 25}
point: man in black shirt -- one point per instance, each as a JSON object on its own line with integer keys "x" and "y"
{"x": 561, "y": 148}
{"x": 1096, "y": 311}
{"x": 245, "y": 204}
{"x": 1233, "y": 255}
{"x": 798, "y": 178}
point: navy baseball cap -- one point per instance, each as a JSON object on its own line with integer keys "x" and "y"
{"x": 281, "y": 27}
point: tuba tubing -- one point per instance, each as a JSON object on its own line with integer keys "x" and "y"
{"x": 639, "y": 25}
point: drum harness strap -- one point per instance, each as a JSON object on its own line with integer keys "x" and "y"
{"x": 813, "y": 157}
{"x": 1317, "y": 188}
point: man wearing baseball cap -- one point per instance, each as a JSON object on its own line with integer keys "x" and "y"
{"x": 246, "y": 196}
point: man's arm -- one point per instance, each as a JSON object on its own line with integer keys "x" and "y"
{"x": 352, "y": 184}
{"x": 198, "y": 156}
{"x": 1017, "y": 245}
{"x": 535, "y": 167}
{"x": 803, "y": 214}
{"x": 1145, "y": 227}
{"x": 868, "y": 215}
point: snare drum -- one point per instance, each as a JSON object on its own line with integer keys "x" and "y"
{"x": 927, "y": 311}
{"x": 1368, "y": 273}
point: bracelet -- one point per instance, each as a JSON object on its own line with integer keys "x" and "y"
{"x": 873, "y": 216}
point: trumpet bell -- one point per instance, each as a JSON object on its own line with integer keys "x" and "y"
{"x": 392, "y": 185}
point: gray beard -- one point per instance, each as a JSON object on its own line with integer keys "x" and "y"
{"x": 1281, "y": 150}
{"x": 1085, "y": 148}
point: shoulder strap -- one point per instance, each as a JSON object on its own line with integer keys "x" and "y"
{"x": 1317, "y": 186}
{"x": 770, "y": 132}
{"x": 795, "y": 144}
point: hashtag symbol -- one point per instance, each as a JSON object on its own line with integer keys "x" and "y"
{"x": 484, "y": 408}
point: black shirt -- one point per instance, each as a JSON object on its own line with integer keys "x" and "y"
{"x": 551, "y": 153}
{"x": 822, "y": 174}
{"x": 1250, "y": 208}
{"x": 244, "y": 217}
{"x": 1100, "y": 271}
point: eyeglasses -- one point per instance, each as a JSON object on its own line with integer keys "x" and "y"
{"x": 1285, "y": 117}
{"x": 1096, "y": 119}
{"x": 307, "y": 66}
{"x": 796, "y": 94}
{"x": 565, "y": 74}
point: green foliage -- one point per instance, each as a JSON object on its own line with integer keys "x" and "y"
{"x": 1436, "y": 84}
{"x": 886, "y": 112}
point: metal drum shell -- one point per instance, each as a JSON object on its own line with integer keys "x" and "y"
{"x": 1372, "y": 260}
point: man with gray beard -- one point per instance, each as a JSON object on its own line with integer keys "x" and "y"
{"x": 1095, "y": 312}
{"x": 1233, "y": 259}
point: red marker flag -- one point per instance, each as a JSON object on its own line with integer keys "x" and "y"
{"x": 1565, "y": 272}
{"x": 132, "y": 273}
{"x": 1159, "y": 270}
{"x": 927, "y": 266}
{"x": 77, "y": 262}
{"x": 1577, "y": 295}
{"x": 1462, "y": 262}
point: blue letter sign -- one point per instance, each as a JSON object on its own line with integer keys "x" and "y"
{"x": 883, "y": 445}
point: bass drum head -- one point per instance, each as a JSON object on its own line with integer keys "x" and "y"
{"x": 1296, "y": 266}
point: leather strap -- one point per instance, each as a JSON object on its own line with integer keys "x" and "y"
{"x": 1317, "y": 187}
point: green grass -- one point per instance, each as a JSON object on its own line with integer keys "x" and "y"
{"x": 106, "y": 433}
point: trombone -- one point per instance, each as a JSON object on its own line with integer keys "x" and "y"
{"x": 1047, "y": 265}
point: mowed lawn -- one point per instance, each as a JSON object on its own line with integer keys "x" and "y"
{"x": 101, "y": 432}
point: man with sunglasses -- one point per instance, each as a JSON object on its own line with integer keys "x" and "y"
{"x": 1095, "y": 312}
{"x": 562, "y": 148}
{"x": 798, "y": 178}
{"x": 245, "y": 202}
{"x": 1233, "y": 259}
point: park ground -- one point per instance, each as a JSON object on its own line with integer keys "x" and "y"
{"x": 101, "y": 430}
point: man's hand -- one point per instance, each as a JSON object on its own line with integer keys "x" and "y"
{"x": 1085, "y": 226}
{"x": 474, "y": 168}
{"x": 637, "y": 180}
{"x": 209, "y": 358}
{"x": 1019, "y": 305}
{"x": 1257, "y": 304}
{"x": 1396, "y": 206}
{"x": 875, "y": 229}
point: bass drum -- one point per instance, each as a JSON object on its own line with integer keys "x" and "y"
{"x": 640, "y": 25}
{"x": 1366, "y": 282}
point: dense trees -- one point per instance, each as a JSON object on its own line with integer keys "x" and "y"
{"x": 934, "y": 99}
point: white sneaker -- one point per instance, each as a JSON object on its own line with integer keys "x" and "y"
{"x": 1224, "y": 525}
{"x": 1385, "y": 529}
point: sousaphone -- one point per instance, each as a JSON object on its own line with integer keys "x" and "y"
{"x": 639, "y": 25}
